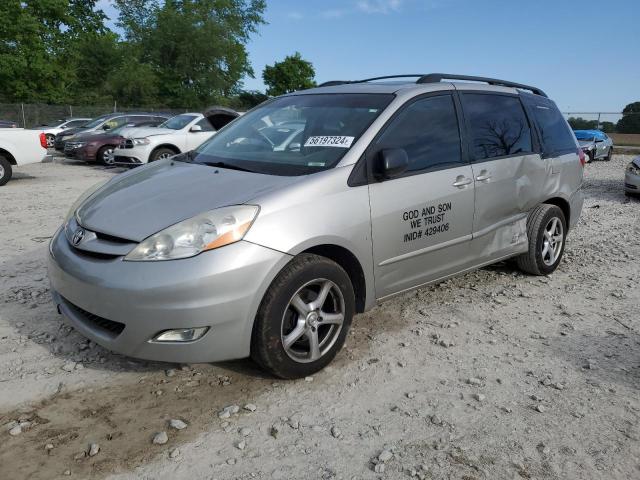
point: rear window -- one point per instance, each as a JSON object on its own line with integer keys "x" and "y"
{"x": 498, "y": 125}
{"x": 555, "y": 134}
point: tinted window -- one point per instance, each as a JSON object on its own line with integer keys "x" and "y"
{"x": 498, "y": 125}
{"x": 75, "y": 123}
{"x": 116, "y": 122}
{"x": 556, "y": 136}
{"x": 205, "y": 125}
{"x": 428, "y": 131}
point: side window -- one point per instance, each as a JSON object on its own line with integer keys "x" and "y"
{"x": 160, "y": 120}
{"x": 498, "y": 125}
{"x": 75, "y": 123}
{"x": 555, "y": 134}
{"x": 428, "y": 131}
{"x": 205, "y": 125}
{"x": 138, "y": 119}
{"x": 116, "y": 122}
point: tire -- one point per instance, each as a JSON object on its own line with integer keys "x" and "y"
{"x": 161, "y": 153}
{"x": 609, "y": 155}
{"x": 543, "y": 256}
{"x": 103, "y": 156}
{"x": 591, "y": 156}
{"x": 278, "y": 321}
{"x": 6, "y": 172}
{"x": 50, "y": 140}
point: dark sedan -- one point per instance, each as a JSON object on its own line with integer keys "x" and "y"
{"x": 99, "y": 147}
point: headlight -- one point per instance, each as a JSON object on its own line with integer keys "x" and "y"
{"x": 81, "y": 200}
{"x": 633, "y": 169}
{"x": 141, "y": 141}
{"x": 206, "y": 231}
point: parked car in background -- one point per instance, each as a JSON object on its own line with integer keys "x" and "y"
{"x": 632, "y": 177}
{"x": 240, "y": 249}
{"x": 107, "y": 122}
{"x": 53, "y": 129}
{"x": 19, "y": 147}
{"x": 178, "y": 134}
{"x": 99, "y": 147}
{"x": 8, "y": 124}
{"x": 595, "y": 144}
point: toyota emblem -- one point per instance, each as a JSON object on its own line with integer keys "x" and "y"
{"x": 78, "y": 236}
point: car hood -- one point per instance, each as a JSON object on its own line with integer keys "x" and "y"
{"x": 88, "y": 137}
{"x": 142, "y": 132}
{"x": 143, "y": 201}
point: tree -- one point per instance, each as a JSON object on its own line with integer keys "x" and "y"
{"x": 291, "y": 74}
{"x": 37, "y": 46}
{"x": 630, "y": 121}
{"x": 579, "y": 123}
{"x": 195, "y": 47}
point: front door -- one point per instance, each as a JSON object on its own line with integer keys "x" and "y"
{"x": 421, "y": 221}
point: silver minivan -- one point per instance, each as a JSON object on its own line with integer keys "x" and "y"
{"x": 265, "y": 244}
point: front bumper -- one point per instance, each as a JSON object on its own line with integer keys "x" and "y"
{"x": 631, "y": 183}
{"x": 122, "y": 305}
{"x": 132, "y": 156}
{"x": 85, "y": 153}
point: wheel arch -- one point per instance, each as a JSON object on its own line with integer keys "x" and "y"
{"x": 169, "y": 146}
{"x": 563, "y": 205}
{"x": 347, "y": 260}
{"x": 10, "y": 158}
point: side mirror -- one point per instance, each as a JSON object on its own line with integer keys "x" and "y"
{"x": 196, "y": 128}
{"x": 391, "y": 163}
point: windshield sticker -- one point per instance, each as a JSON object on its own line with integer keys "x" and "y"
{"x": 315, "y": 164}
{"x": 329, "y": 141}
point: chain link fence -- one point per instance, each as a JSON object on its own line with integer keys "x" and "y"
{"x": 31, "y": 115}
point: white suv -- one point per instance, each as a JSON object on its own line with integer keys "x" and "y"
{"x": 178, "y": 134}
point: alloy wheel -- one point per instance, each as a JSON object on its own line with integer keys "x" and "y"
{"x": 312, "y": 320}
{"x": 552, "y": 241}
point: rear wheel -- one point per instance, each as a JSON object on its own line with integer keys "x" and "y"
{"x": 50, "y": 140}
{"x": 547, "y": 230}
{"x": 105, "y": 155}
{"x": 304, "y": 317}
{"x": 609, "y": 154}
{"x": 161, "y": 153}
{"x": 5, "y": 170}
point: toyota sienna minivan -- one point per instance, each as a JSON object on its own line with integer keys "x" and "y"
{"x": 261, "y": 245}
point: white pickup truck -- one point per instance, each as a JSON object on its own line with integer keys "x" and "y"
{"x": 19, "y": 147}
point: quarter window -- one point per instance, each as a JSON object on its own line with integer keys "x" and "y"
{"x": 428, "y": 131}
{"x": 498, "y": 125}
{"x": 555, "y": 134}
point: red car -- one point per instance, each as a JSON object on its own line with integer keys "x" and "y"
{"x": 98, "y": 147}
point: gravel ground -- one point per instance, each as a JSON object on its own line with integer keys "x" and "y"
{"x": 491, "y": 375}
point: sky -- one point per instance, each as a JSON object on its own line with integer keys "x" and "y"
{"x": 584, "y": 54}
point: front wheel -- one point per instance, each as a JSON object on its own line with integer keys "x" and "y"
{"x": 161, "y": 153}
{"x": 609, "y": 154}
{"x": 304, "y": 317}
{"x": 5, "y": 171}
{"x": 51, "y": 139}
{"x": 105, "y": 155}
{"x": 547, "y": 230}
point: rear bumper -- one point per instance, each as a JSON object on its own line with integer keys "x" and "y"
{"x": 575, "y": 207}
{"x": 123, "y": 305}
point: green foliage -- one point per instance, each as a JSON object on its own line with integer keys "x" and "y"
{"x": 174, "y": 53}
{"x": 291, "y": 74}
{"x": 579, "y": 123}
{"x": 630, "y": 123}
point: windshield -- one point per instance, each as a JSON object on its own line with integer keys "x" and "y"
{"x": 294, "y": 135}
{"x": 178, "y": 122}
{"x": 96, "y": 121}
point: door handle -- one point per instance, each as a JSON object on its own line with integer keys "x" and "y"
{"x": 462, "y": 182}
{"x": 483, "y": 178}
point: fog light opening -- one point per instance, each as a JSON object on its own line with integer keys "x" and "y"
{"x": 180, "y": 335}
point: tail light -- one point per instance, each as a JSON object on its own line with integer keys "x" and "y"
{"x": 43, "y": 140}
{"x": 583, "y": 159}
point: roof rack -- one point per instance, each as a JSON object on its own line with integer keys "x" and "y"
{"x": 438, "y": 77}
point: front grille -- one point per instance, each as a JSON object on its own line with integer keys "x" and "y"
{"x": 631, "y": 187}
{"x": 109, "y": 327}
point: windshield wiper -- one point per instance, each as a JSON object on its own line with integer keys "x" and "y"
{"x": 228, "y": 166}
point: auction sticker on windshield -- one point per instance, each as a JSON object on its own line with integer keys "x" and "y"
{"x": 329, "y": 141}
